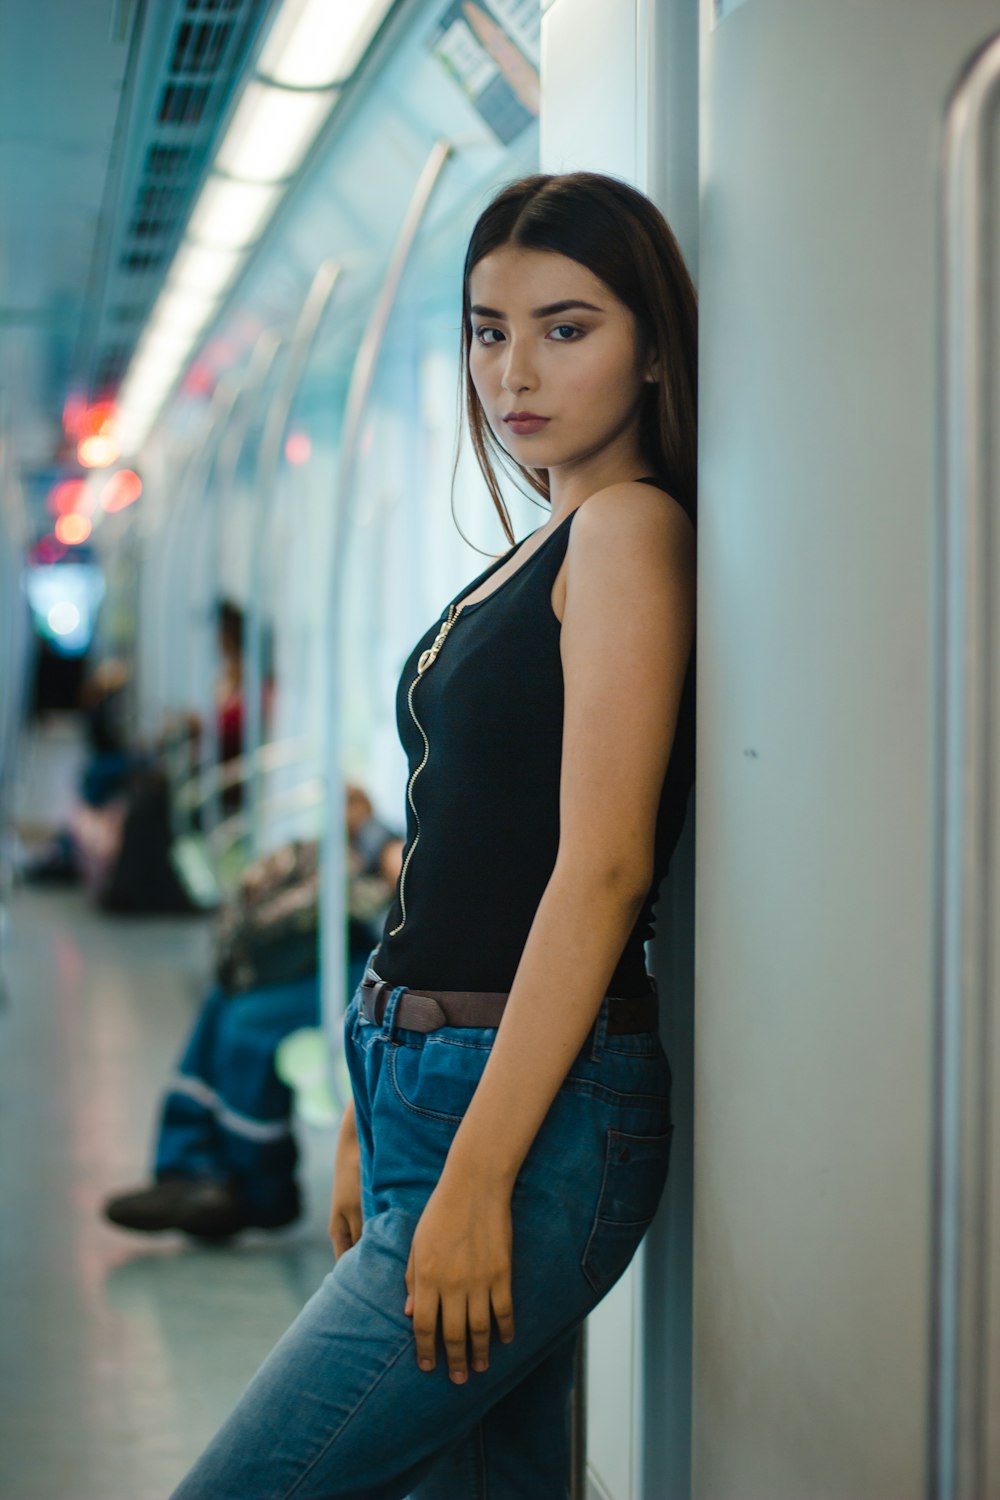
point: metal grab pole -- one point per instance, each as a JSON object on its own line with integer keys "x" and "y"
{"x": 334, "y": 863}
{"x": 218, "y": 497}
{"x": 964, "y": 855}
{"x": 276, "y": 421}
{"x": 189, "y": 488}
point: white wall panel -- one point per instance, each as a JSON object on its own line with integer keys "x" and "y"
{"x": 589, "y": 87}
{"x": 820, "y": 130}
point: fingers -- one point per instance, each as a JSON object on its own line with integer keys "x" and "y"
{"x": 465, "y": 1321}
{"x": 425, "y": 1314}
{"x": 340, "y": 1235}
{"x": 503, "y": 1309}
{"x": 479, "y": 1328}
{"x": 454, "y": 1314}
{"x": 345, "y": 1229}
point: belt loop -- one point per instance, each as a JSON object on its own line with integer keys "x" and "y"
{"x": 391, "y": 1007}
{"x": 599, "y": 1031}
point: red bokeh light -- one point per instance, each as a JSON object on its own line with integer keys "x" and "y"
{"x": 74, "y": 411}
{"x": 298, "y": 448}
{"x": 121, "y": 490}
{"x": 48, "y": 550}
{"x": 66, "y": 496}
{"x": 199, "y": 380}
{"x": 73, "y": 529}
{"x": 97, "y": 419}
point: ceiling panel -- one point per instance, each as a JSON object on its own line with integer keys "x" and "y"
{"x": 62, "y": 65}
{"x": 109, "y": 110}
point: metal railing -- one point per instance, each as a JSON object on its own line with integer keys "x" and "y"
{"x": 268, "y": 463}
{"x": 965, "y": 887}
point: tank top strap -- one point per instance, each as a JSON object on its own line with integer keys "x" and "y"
{"x": 543, "y": 564}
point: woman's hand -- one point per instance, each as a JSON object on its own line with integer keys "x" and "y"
{"x": 459, "y": 1266}
{"x": 345, "y": 1205}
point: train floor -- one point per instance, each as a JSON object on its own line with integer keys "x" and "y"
{"x": 121, "y": 1353}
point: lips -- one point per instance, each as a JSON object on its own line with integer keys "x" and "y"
{"x": 523, "y": 422}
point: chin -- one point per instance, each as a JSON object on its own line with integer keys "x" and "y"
{"x": 524, "y": 450}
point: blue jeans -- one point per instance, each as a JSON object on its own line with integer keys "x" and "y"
{"x": 227, "y": 1114}
{"x": 340, "y": 1410}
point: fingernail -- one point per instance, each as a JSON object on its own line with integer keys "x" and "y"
{"x": 479, "y": 1364}
{"x": 425, "y": 1364}
{"x": 459, "y": 1377}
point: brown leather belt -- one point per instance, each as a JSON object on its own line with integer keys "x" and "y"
{"x": 426, "y": 1010}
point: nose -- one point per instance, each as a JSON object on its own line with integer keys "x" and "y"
{"x": 518, "y": 375}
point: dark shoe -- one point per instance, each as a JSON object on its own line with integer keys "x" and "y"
{"x": 199, "y": 1206}
{"x": 154, "y": 1208}
{"x": 215, "y": 1210}
{"x": 55, "y": 864}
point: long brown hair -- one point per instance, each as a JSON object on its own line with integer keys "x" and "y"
{"x": 620, "y": 235}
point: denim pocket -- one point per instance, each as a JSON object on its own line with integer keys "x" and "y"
{"x": 635, "y": 1044}
{"x": 436, "y": 1077}
{"x": 635, "y": 1171}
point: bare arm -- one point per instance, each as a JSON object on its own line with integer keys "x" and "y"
{"x": 627, "y": 631}
{"x": 345, "y": 1203}
{"x": 628, "y": 627}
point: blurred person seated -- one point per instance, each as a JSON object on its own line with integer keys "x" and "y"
{"x": 109, "y": 765}
{"x": 230, "y": 703}
{"x": 229, "y": 688}
{"x": 126, "y": 849}
{"x": 121, "y": 835}
{"x": 226, "y": 1156}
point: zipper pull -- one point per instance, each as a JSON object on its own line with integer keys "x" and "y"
{"x": 428, "y": 656}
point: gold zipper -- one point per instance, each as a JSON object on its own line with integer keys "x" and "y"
{"x": 426, "y": 659}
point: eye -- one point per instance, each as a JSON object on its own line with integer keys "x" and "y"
{"x": 569, "y": 328}
{"x": 478, "y": 332}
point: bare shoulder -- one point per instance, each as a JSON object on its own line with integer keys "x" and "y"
{"x": 633, "y": 517}
{"x": 625, "y": 538}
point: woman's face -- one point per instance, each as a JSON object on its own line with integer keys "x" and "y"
{"x": 550, "y": 339}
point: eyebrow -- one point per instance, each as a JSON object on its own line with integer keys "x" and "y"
{"x": 537, "y": 312}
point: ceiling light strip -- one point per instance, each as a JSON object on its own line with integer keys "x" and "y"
{"x": 312, "y": 47}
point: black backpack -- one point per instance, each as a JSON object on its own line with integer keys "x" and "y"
{"x": 143, "y": 877}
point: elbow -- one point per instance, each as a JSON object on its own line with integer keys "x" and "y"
{"x": 632, "y": 888}
{"x": 612, "y": 883}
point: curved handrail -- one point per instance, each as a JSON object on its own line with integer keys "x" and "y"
{"x": 964, "y": 854}
{"x": 301, "y": 798}
{"x": 306, "y": 328}
{"x": 196, "y": 790}
{"x": 334, "y": 884}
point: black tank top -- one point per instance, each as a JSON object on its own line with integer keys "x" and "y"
{"x": 482, "y": 732}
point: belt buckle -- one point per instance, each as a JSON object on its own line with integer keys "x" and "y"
{"x": 371, "y": 989}
{"x": 424, "y": 1013}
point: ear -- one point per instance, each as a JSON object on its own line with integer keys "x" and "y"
{"x": 653, "y": 373}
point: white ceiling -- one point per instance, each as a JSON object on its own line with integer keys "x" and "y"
{"x": 62, "y": 65}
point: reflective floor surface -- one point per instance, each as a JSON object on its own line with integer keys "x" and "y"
{"x": 120, "y": 1353}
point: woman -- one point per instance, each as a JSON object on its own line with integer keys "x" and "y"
{"x": 510, "y": 1131}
